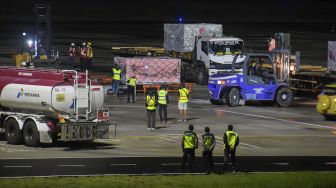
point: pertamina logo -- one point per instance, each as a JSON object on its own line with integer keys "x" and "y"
{"x": 21, "y": 93}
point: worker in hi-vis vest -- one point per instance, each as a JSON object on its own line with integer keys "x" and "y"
{"x": 151, "y": 104}
{"x": 209, "y": 143}
{"x": 183, "y": 94}
{"x": 116, "y": 79}
{"x": 189, "y": 145}
{"x": 131, "y": 88}
{"x": 163, "y": 101}
{"x": 231, "y": 141}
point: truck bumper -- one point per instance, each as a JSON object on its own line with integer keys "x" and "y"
{"x": 83, "y": 131}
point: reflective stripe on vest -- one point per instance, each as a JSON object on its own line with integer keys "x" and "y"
{"x": 162, "y": 94}
{"x": 231, "y": 138}
{"x": 208, "y": 140}
{"x": 183, "y": 95}
{"x": 151, "y": 102}
{"x": 132, "y": 81}
{"x": 189, "y": 140}
{"x": 116, "y": 74}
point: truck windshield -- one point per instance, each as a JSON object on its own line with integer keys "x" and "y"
{"x": 225, "y": 47}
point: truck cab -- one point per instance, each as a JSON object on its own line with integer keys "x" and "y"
{"x": 257, "y": 81}
{"x": 215, "y": 56}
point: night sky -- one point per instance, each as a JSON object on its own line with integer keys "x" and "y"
{"x": 154, "y": 10}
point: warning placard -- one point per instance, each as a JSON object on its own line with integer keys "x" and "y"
{"x": 103, "y": 115}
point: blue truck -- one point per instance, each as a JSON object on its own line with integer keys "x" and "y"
{"x": 253, "y": 79}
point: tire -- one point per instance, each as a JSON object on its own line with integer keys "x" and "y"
{"x": 202, "y": 76}
{"x": 13, "y": 132}
{"x": 233, "y": 97}
{"x": 284, "y": 97}
{"x": 31, "y": 136}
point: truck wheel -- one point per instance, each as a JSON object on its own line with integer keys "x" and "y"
{"x": 284, "y": 97}
{"x": 31, "y": 135}
{"x": 233, "y": 97}
{"x": 12, "y": 131}
{"x": 202, "y": 76}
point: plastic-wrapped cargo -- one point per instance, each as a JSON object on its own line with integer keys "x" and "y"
{"x": 331, "y": 55}
{"x": 181, "y": 37}
{"x": 150, "y": 70}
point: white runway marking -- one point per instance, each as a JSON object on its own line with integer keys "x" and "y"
{"x": 122, "y": 164}
{"x": 271, "y": 118}
{"x": 17, "y": 166}
{"x": 70, "y": 165}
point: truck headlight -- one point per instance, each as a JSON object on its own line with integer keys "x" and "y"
{"x": 220, "y": 82}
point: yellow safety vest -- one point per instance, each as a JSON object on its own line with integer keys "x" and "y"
{"x": 116, "y": 74}
{"x": 151, "y": 102}
{"x": 89, "y": 52}
{"x": 189, "y": 140}
{"x": 208, "y": 140}
{"x": 162, "y": 94}
{"x": 184, "y": 92}
{"x": 132, "y": 81}
{"x": 231, "y": 138}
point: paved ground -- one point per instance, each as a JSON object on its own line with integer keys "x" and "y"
{"x": 265, "y": 130}
{"x": 156, "y": 165}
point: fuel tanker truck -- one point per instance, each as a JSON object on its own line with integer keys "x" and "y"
{"x": 46, "y": 105}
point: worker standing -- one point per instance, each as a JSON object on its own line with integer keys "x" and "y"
{"x": 183, "y": 94}
{"x": 209, "y": 143}
{"x": 72, "y": 54}
{"x": 83, "y": 57}
{"x": 131, "y": 88}
{"x": 163, "y": 101}
{"x": 231, "y": 141}
{"x": 189, "y": 145}
{"x": 151, "y": 104}
{"x": 89, "y": 55}
{"x": 116, "y": 78}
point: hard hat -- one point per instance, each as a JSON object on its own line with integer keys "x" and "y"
{"x": 89, "y": 44}
{"x": 83, "y": 43}
{"x": 72, "y": 44}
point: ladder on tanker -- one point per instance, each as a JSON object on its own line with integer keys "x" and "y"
{"x": 82, "y": 96}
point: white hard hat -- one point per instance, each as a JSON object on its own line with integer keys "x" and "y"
{"x": 83, "y": 44}
{"x": 72, "y": 44}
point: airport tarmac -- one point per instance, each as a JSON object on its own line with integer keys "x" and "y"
{"x": 264, "y": 130}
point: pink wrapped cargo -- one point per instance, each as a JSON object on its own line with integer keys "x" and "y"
{"x": 150, "y": 69}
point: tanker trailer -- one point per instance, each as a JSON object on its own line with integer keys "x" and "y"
{"x": 46, "y": 105}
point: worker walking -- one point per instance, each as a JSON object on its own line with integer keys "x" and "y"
{"x": 209, "y": 143}
{"x": 89, "y": 54}
{"x": 116, "y": 78}
{"x": 183, "y": 94}
{"x": 163, "y": 101}
{"x": 189, "y": 145}
{"x": 83, "y": 56}
{"x": 72, "y": 54}
{"x": 131, "y": 88}
{"x": 231, "y": 141}
{"x": 151, "y": 104}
